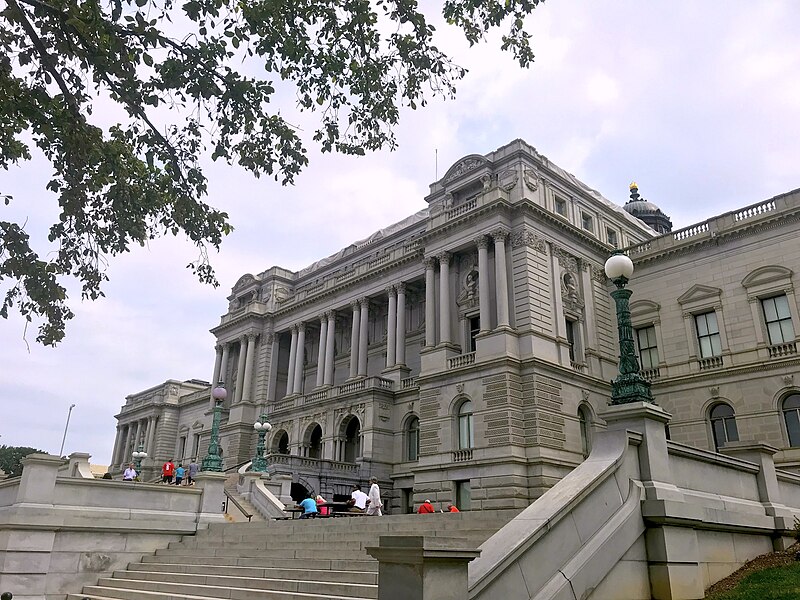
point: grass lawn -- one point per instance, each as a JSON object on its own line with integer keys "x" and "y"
{"x": 777, "y": 583}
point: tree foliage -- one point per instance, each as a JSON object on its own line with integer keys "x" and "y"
{"x": 191, "y": 80}
{"x": 11, "y": 458}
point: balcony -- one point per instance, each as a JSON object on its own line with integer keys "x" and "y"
{"x": 712, "y": 362}
{"x": 650, "y": 374}
{"x": 462, "y": 455}
{"x": 781, "y": 350}
{"x": 463, "y": 360}
{"x": 358, "y": 386}
{"x": 294, "y": 464}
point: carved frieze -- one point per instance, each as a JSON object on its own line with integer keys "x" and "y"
{"x": 526, "y": 237}
{"x": 463, "y": 167}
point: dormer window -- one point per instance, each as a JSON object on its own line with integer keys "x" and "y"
{"x": 587, "y": 222}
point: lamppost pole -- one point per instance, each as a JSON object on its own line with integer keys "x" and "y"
{"x": 629, "y": 386}
{"x": 260, "y": 461}
{"x": 213, "y": 461}
{"x": 137, "y": 458}
{"x": 64, "y": 439}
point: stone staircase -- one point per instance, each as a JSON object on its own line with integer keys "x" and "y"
{"x": 319, "y": 559}
{"x": 234, "y": 514}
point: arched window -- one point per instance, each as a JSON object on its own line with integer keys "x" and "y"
{"x": 412, "y": 439}
{"x": 723, "y": 425}
{"x": 791, "y": 416}
{"x": 315, "y": 443}
{"x": 585, "y": 418}
{"x": 281, "y": 443}
{"x": 352, "y": 440}
{"x": 466, "y": 438}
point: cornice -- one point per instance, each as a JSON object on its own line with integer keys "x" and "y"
{"x": 715, "y": 374}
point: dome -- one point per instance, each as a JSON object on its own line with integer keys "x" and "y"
{"x": 646, "y": 211}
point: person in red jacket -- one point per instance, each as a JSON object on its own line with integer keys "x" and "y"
{"x": 426, "y": 507}
{"x": 452, "y": 508}
{"x": 167, "y": 471}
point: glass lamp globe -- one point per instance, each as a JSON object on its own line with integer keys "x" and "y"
{"x": 219, "y": 393}
{"x": 619, "y": 265}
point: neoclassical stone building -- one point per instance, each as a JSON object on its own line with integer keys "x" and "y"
{"x": 465, "y": 353}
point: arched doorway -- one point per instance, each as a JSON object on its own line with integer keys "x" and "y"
{"x": 315, "y": 443}
{"x": 299, "y": 492}
{"x": 352, "y": 440}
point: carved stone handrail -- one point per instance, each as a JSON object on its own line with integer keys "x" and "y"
{"x": 712, "y": 362}
{"x": 780, "y": 350}
{"x": 462, "y": 455}
{"x": 462, "y": 360}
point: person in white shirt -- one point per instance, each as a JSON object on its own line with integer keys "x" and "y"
{"x": 129, "y": 474}
{"x": 374, "y": 498}
{"x": 358, "y": 500}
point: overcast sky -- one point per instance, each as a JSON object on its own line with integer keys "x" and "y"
{"x": 699, "y": 102}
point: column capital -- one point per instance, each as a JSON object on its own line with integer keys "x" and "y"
{"x": 269, "y": 337}
{"x": 251, "y": 337}
{"x": 429, "y": 262}
{"x": 330, "y": 315}
{"x": 401, "y": 287}
{"x": 481, "y": 241}
{"x": 391, "y": 291}
{"x": 363, "y": 302}
{"x": 301, "y": 326}
{"x": 293, "y": 328}
{"x": 444, "y": 258}
{"x": 500, "y": 235}
{"x": 355, "y": 303}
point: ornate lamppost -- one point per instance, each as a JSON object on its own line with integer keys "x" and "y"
{"x": 262, "y": 427}
{"x": 138, "y": 456}
{"x": 629, "y": 386}
{"x": 213, "y": 461}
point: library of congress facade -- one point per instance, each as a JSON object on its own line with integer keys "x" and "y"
{"x": 465, "y": 353}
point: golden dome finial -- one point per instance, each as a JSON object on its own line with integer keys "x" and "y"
{"x": 633, "y": 186}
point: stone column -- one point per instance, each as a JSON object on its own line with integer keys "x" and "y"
{"x": 121, "y": 455}
{"x": 483, "y": 282}
{"x": 275, "y": 341}
{"x": 354, "y": 338}
{"x": 501, "y": 277}
{"x": 300, "y": 355}
{"x": 240, "y": 369}
{"x": 391, "y": 327}
{"x": 292, "y": 358}
{"x": 363, "y": 337}
{"x": 151, "y": 436}
{"x": 217, "y": 365}
{"x": 330, "y": 347}
{"x": 115, "y": 451}
{"x": 323, "y": 334}
{"x": 444, "y": 297}
{"x": 400, "y": 354}
{"x": 430, "y": 302}
{"x": 248, "y": 368}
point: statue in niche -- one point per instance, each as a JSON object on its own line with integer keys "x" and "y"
{"x": 569, "y": 292}
{"x": 468, "y": 296}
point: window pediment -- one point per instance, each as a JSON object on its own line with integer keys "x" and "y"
{"x": 763, "y": 276}
{"x": 641, "y": 309}
{"x": 699, "y": 293}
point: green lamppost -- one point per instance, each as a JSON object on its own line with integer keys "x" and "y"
{"x": 629, "y": 386}
{"x": 138, "y": 456}
{"x": 260, "y": 461}
{"x": 213, "y": 461}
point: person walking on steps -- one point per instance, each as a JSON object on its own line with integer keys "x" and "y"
{"x": 374, "y": 498}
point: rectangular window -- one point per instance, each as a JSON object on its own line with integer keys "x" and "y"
{"x": 778, "y": 320}
{"x": 708, "y": 335}
{"x": 408, "y": 500}
{"x": 611, "y": 235}
{"x": 587, "y": 222}
{"x": 463, "y": 495}
{"x": 648, "y": 349}
{"x": 195, "y": 445}
{"x": 474, "y": 329}
{"x": 561, "y": 206}
{"x": 571, "y": 338}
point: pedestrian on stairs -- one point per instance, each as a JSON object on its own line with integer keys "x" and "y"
{"x": 192, "y": 471}
{"x": 374, "y": 503}
{"x": 426, "y": 508}
{"x": 167, "y": 471}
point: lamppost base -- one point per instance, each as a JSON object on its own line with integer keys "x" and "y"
{"x": 212, "y": 463}
{"x": 259, "y": 465}
{"x": 630, "y": 387}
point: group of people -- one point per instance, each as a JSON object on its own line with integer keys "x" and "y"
{"x": 427, "y": 508}
{"x": 169, "y": 473}
{"x": 369, "y": 504}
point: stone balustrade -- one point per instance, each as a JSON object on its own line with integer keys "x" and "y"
{"x": 358, "y": 386}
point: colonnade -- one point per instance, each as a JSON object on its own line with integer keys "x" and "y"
{"x": 130, "y": 435}
{"x": 396, "y": 324}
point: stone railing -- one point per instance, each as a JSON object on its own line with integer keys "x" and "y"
{"x": 577, "y": 366}
{"x": 712, "y": 362}
{"x": 650, "y": 374}
{"x": 462, "y": 455}
{"x": 780, "y": 350}
{"x": 690, "y": 231}
{"x": 353, "y": 387}
{"x": 754, "y": 211}
{"x": 408, "y": 382}
{"x": 461, "y": 209}
{"x": 463, "y": 360}
{"x": 314, "y": 465}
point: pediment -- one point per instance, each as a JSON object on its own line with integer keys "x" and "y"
{"x": 698, "y": 293}
{"x": 466, "y": 165}
{"x": 644, "y": 307}
{"x": 768, "y": 274}
{"x": 197, "y": 425}
{"x": 244, "y": 281}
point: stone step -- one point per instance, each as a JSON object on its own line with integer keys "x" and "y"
{"x": 345, "y": 563}
{"x": 271, "y": 572}
{"x": 242, "y": 589}
{"x": 96, "y": 592}
{"x": 234, "y": 552}
{"x": 342, "y": 541}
